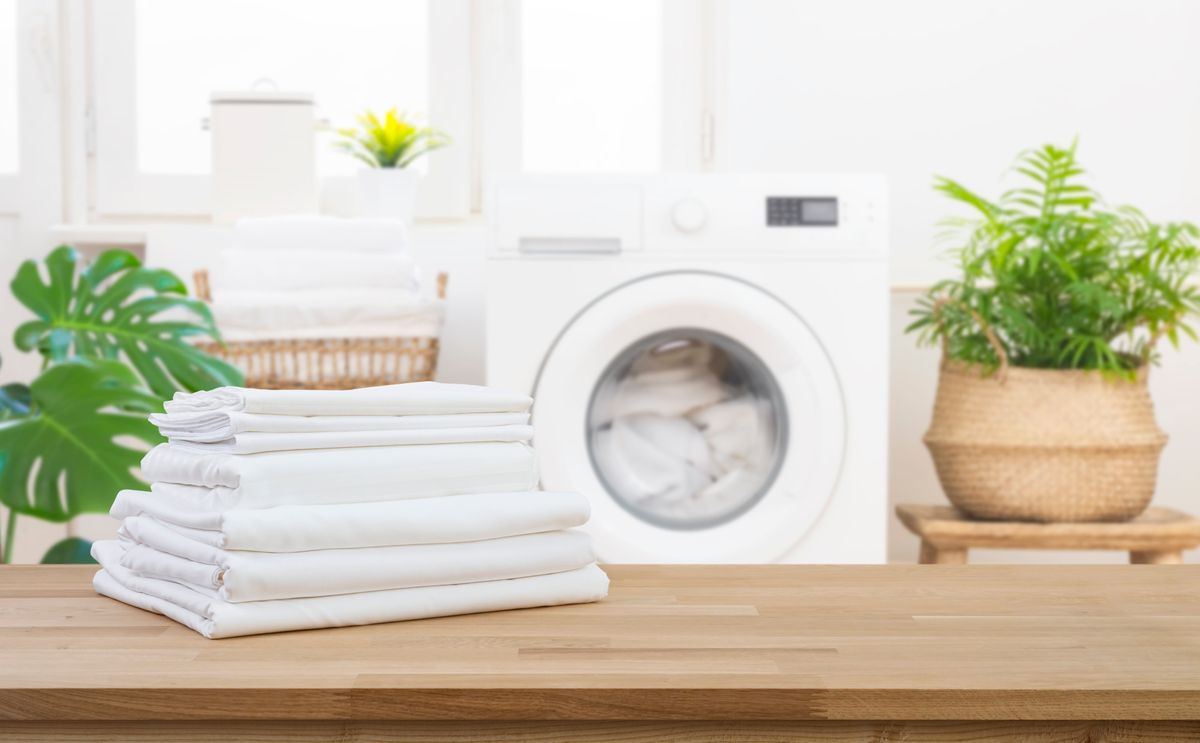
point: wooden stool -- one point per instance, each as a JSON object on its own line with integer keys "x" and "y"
{"x": 1157, "y": 537}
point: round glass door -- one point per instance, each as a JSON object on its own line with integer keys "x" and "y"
{"x": 687, "y": 429}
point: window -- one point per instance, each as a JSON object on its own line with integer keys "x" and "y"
{"x": 8, "y": 87}
{"x": 157, "y": 62}
{"x": 352, "y": 54}
{"x": 520, "y": 86}
{"x": 591, "y": 82}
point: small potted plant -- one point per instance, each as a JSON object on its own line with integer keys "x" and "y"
{"x": 389, "y": 146}
{"x": 1043, "y": 411}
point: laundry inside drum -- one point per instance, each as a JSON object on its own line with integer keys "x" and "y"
{"x": 687, "y": 429}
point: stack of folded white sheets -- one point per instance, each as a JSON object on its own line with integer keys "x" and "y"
{"x": 320, "y": 277}
{"x": 274, "y": 510}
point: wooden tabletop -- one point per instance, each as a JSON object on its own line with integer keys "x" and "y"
{"x": 671, "y": 642}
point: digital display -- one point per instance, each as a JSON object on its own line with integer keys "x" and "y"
{"x": 802, "y": 211}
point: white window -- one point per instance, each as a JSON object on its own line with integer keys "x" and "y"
{"x": 9, "y": 142}
{"x": 519, "y": 85}
{"x": 584, "y": 86}
{"x": 157, "y": 62}
{"x": 351, "y": 55}
{"x": 591, "y": 80}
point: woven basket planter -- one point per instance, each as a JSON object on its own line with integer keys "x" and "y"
{"x": 1043, "y": 444}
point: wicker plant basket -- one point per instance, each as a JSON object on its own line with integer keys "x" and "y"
{"x": 1043, "y": 444}
{"x": 327, "y": 363}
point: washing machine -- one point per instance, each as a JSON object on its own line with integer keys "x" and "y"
{"x": 708, "y": 358}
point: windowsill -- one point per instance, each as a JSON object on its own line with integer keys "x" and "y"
{"x": 133, "y": 234}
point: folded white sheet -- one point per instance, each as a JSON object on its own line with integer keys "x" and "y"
{"x": 294, "y": 270}
{"x": 318, "y": 313}
{"x": 310, "y": 232}
{"x": 425, "y": 326}
{"x": 414, "y": 398}
{"x": 221, "y": 482}
{"x": 218, "y": 425}
{"x": 451, "y": 518}
{"x": 255, "y": 443}
{"x": 232, "y": 575}
{"x": 214, "y": 618}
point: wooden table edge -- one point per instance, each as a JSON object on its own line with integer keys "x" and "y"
{"x": 603, "y": 704}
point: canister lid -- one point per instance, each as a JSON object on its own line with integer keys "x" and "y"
{"x": 292, "y": 97}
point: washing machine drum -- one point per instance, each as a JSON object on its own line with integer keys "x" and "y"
{"x": 699, "y": 414}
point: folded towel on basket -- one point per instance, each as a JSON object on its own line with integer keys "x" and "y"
{"x": 325, "y": 313}
{"x": 222, "y": 482}
{"x": 297, "y": 270}
{"x": 232, "y": 575}
{"x": 214, "y": 618}
{"x": 415, "y": 398}
{"x": 450, "y": 518}
{"x": 330, "y": 234}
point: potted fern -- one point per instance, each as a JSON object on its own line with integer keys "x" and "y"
{"x": 388, "y": 145}
{"x": 1042, "y": 410}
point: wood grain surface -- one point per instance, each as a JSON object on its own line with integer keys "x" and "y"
{"x": 923, "y": 731}
{"x": 1157, "y": 529}
{"x": 671, "y": 643}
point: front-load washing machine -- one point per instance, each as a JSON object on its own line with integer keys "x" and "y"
{"x": 708, "y": 357}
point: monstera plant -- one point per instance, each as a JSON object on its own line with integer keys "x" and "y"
{"x": 113, "y": 336}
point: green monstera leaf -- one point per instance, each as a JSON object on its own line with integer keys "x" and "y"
{"x": 14, "y": 401}
{"x": 117, "y": 308}
{"x": 72, "y": 452}
{"x": 69, "y": 551}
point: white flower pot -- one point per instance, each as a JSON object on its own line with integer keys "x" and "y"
{"x": 387, "y": 192}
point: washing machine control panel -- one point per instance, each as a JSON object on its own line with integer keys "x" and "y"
{"x": 802, "y": 211}
{"x": 699, "y": 215}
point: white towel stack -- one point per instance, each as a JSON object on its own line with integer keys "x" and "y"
{"x": 275, "y": 510}
{"x": 321, "y": 277}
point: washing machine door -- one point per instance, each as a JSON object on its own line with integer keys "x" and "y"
{"x": 700, "y": 415}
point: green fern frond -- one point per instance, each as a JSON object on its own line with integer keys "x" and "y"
{"x": 1062, "y": 280}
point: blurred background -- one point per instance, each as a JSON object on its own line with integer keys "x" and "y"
{"x": 110, "y": 111}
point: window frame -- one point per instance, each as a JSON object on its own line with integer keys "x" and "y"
{"x": 32, "y": 193}
{"x": 10, "y": 182}
{"x": 120, "y": 190}
{"x": 689, "y": 103}
{"x": 475, "y": 93}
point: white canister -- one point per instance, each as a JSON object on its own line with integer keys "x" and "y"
{"x": 263, "y": 154}
{"x": 387, "y": 192}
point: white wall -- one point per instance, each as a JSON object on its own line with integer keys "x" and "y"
{"x": 921, "y": 87}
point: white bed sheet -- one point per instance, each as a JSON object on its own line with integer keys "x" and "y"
{"x": 258, "y": 443}
{"x": 236, "y": 576}
{"x": 214, "y": 618}
{"x": 451, "y": 518}
{"x": 413, "y": 398}
{"x": 352, "y": 475}
{"x": 209, "y": 426}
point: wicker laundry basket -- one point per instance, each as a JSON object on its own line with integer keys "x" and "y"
{"x": 1044, "y": 444}
{"x": 327, "y": 363}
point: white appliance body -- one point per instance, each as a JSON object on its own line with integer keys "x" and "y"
{"x": 592, "y": 281}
